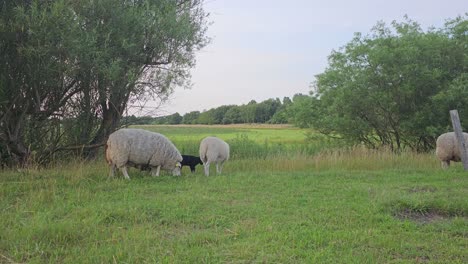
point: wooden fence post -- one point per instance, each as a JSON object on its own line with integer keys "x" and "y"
{"x": 460, "y": 138}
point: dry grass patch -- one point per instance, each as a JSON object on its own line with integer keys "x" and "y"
{"x": 427, "y": 217}
{"x": 360, "y": 157}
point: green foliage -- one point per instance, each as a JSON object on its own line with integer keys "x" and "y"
{"x": 133, "y": 120}
{"x": 214, "y": 115}
{"x": 174, "y": 119}
{"x": 304, "y": 109}
{"x": 233, "y": 116}
{"x": 393, "y": 87}
{"x": 281, "y": 116}
{"x": 252, "y": 112}
{"x": 191, "y": 117}
{"x": 86, "y": 61}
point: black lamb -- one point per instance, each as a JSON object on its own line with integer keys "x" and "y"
{"x": 191, "y": 161}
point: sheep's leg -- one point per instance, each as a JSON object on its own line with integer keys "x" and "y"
{"x": 125, "y": 173}
{"x": 112, "y": 169}
{"x": 221, "y": 167}
{"x": 192, "y": 169}
{"x": 445, "y": 164}
{"x": 155, "y": 173}
{"x": 207, "y": 168}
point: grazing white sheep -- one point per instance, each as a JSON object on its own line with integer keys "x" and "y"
{"x": 447, "y": 148}
{"x": 213, "y": 149}
{"x": 141, "y": 149}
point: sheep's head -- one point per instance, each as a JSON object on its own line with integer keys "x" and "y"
{"x": 176, "y": 170}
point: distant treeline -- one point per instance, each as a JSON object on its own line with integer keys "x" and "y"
{"x": 273, "y": 111}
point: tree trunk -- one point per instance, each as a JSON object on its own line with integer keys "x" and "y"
{"x": 20, "y": 151}
{"x": 110, "y": 122}
{"x": 14, "y": 140}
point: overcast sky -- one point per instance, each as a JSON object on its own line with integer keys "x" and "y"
{"x": 264, "y": 49}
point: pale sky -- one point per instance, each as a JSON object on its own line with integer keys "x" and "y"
{"x": 264, "y": 49}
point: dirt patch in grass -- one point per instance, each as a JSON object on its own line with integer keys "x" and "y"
{"x": 419, "y": 189}
{"x": 422, "y": 217}
{"x": 426, "y": 209}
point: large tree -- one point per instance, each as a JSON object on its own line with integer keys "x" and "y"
{"x": 394, "y": 87}
{"x": 36, "y": 72}
{"x": 70, "y": 68}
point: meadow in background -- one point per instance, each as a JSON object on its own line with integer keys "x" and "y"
{"x": 246, "y": 141}
{"x": 283, "y": 197}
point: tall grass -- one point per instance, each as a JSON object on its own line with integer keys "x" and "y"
{"x": 362, "y": 158}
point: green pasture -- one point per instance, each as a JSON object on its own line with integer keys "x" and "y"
{"x": 247, "y": 141}
{"x": 328, "y": 205}
{"x": 259, "y": 134}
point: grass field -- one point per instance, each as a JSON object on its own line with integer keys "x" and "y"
{"x": 303, "y": 203}
{"x": 246, "y": 141}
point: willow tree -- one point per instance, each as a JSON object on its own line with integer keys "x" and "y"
{"x": 36, "y": 72}
{"x": 70, "y": 68}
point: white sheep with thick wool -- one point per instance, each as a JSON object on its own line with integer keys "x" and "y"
{"x": 213, "y": 150}
{"x": 141, "y": 149}
{"x": 447, "y": 148}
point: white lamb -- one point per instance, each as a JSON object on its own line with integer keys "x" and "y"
{"x": 213, "y": 149}
{"x": 141, "y": 149}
